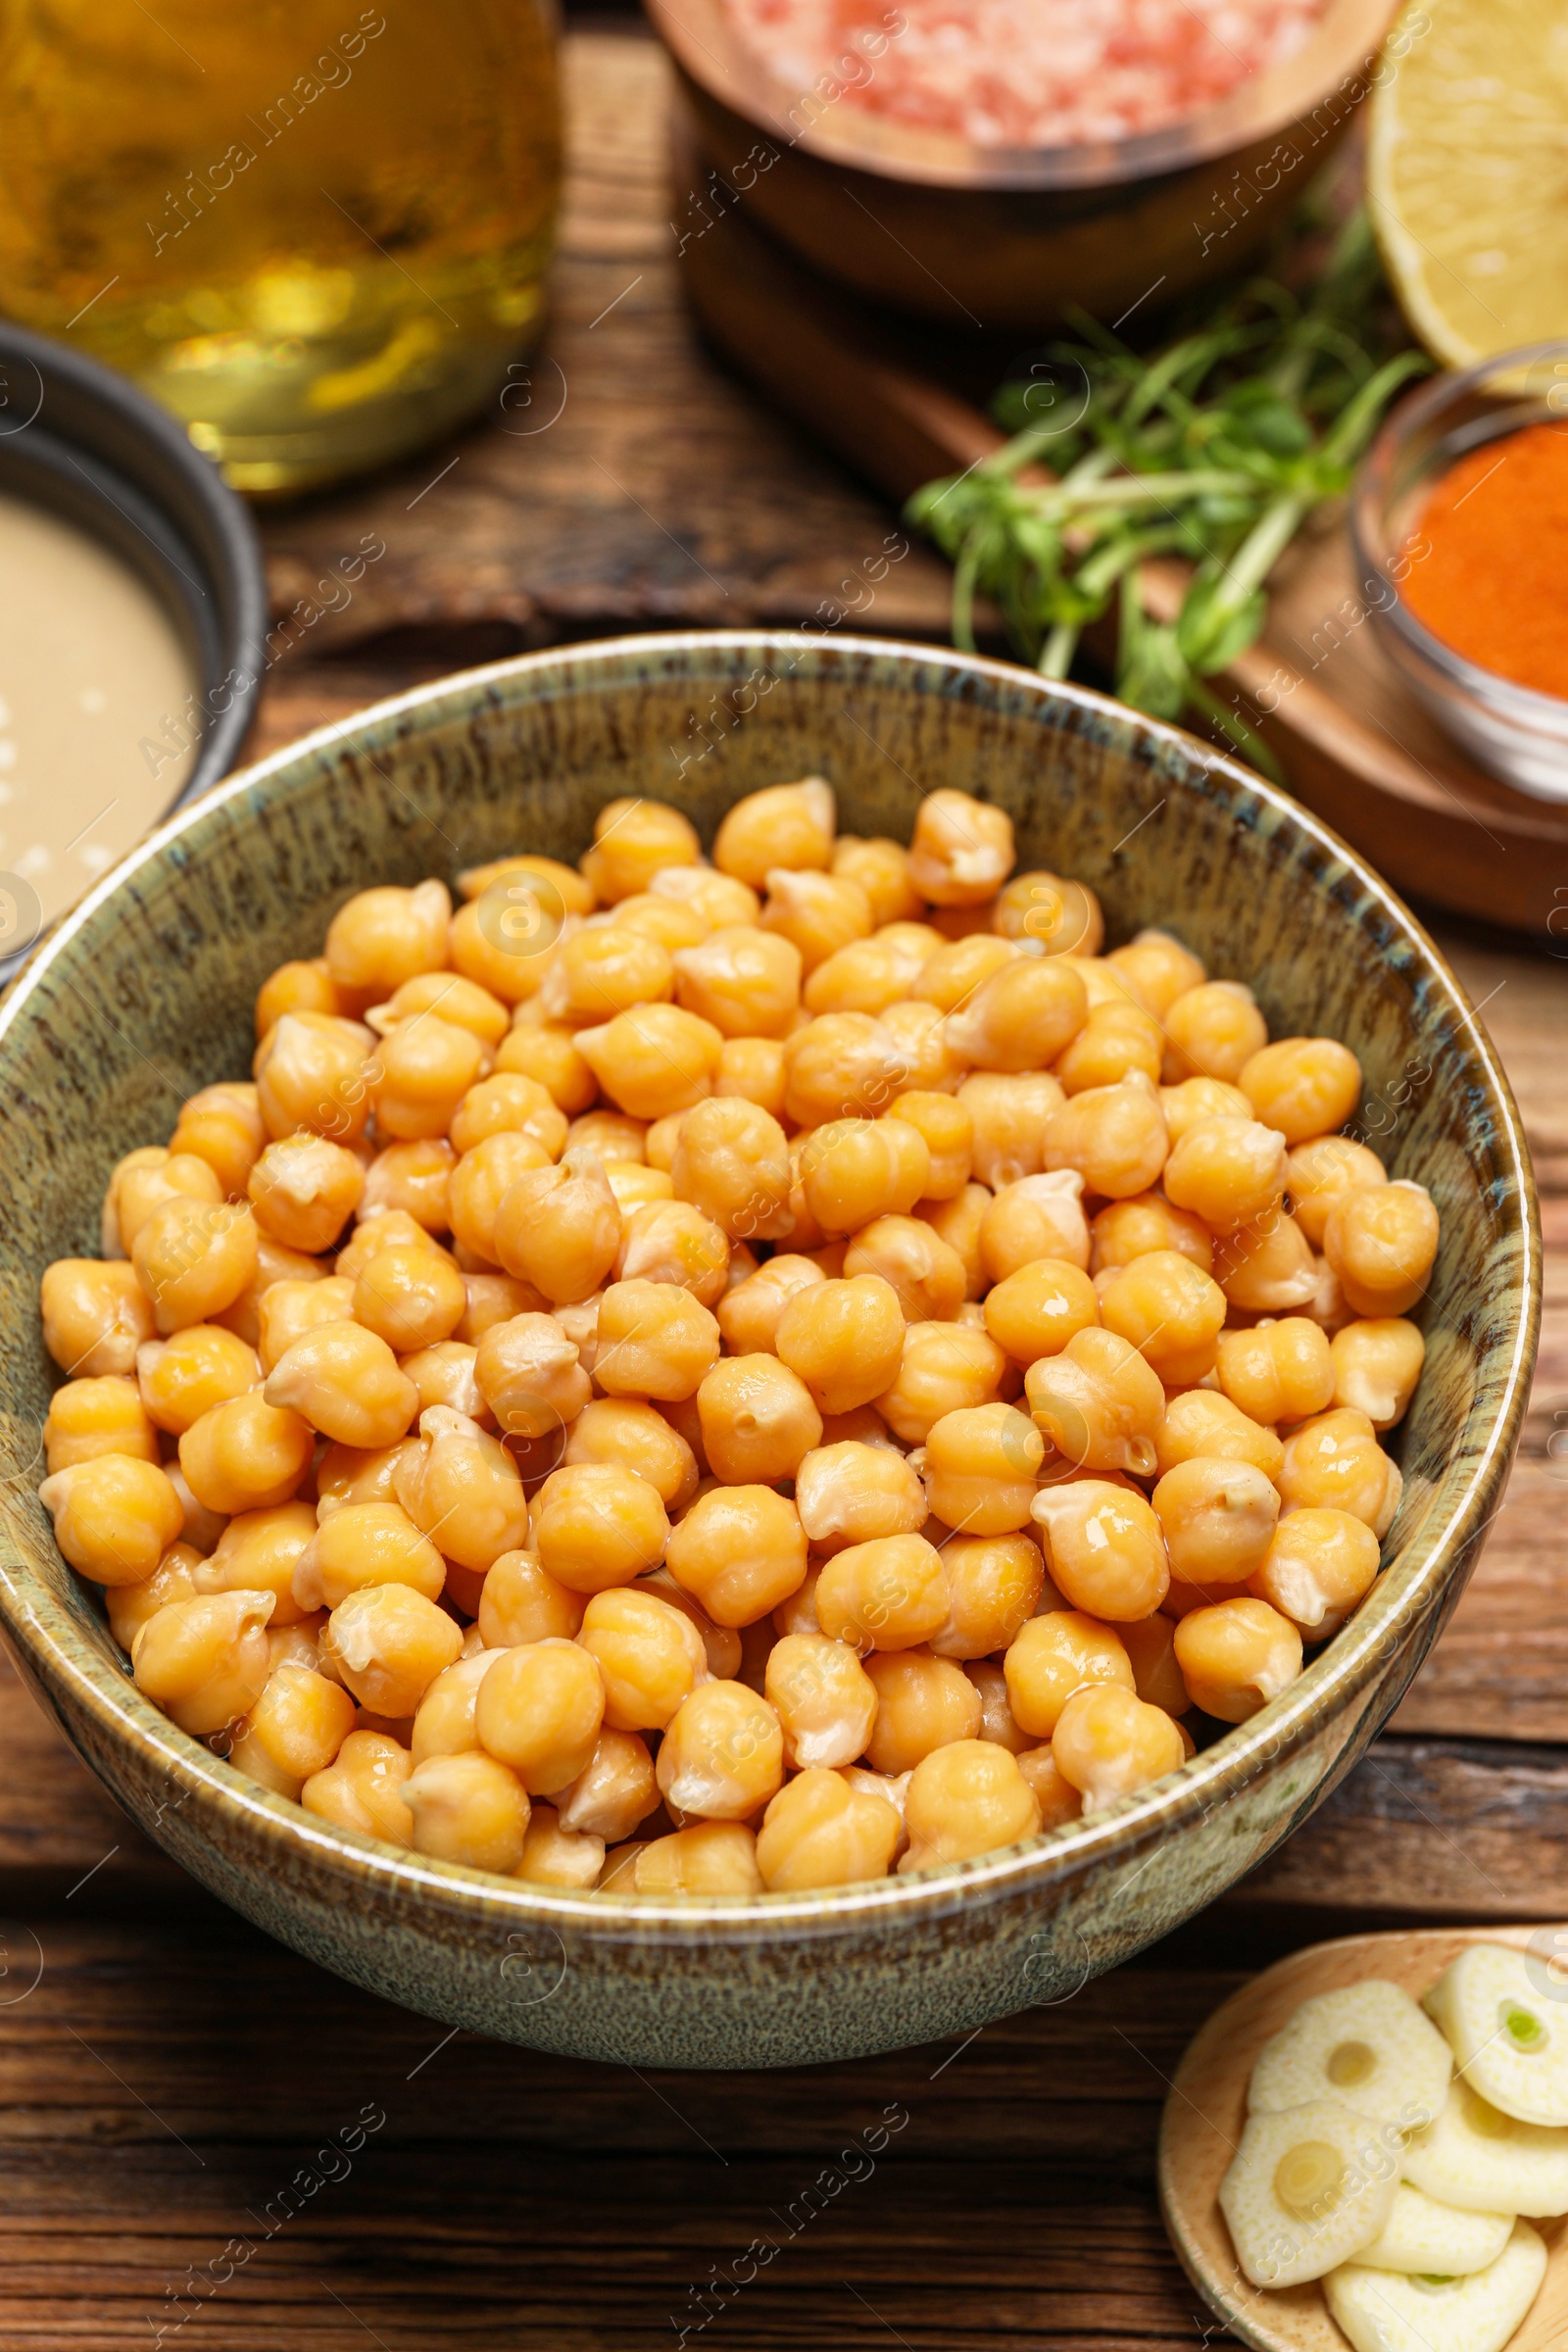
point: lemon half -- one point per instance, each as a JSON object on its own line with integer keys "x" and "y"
{"x": 1467, "y": 173}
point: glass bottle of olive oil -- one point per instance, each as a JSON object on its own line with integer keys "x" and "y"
{"x": 317, "y": 231}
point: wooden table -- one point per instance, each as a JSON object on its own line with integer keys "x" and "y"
{"x": 166, "y": 2072}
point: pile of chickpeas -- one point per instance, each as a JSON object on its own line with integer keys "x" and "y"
{"x": 688, "y": 1377}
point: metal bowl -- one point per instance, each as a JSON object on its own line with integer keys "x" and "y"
{"x": 998, "y": 238}
{"x": 146, "y": 993}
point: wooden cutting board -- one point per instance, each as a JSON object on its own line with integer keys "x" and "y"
{"x": 902, "y": 408}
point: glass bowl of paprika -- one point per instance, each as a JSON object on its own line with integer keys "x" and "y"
{"x": 1461, "y": 506}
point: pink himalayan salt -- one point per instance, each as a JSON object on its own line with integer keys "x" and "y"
{"x": 1025, "y": 73}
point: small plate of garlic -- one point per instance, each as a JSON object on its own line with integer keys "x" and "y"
{"x": 1368, "y": 2146}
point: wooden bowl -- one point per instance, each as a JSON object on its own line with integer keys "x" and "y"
{"x": 1001, "y": 239}
{"x": 1207, "y": 2107}
{"x": 146, "y": 993}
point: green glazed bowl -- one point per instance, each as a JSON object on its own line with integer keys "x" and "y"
{"x": 145, "y": 994}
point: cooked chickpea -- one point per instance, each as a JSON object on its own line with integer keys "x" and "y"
{"x": 115, "y": 1516}
{"x": 1205, "y": 1421}
{"x": 315, "y": 1070}
{"x": 1218, "y": 1519}
{"x": 1170, "y": 1311}
{"x": 1150, "y": 1646}
{"x": 1058, "y": 1800}
{"x": 998, "y": 1723}
{"x": 856, "y": 1170}
{"x": 1277, "y": 1371}
{"x": 722, "y": 1756}
{"x": 1236, "y": 1656}
{"x": 344, "y": 1475}
{"x": 824, "y": 1700}
{"x": 461, "y": 1487}
{"x": 959, "y": 1222}
{"x": 531, "y": 1376}
{"x": 945, "y": 1369}
{"x": 259, "y": 1552}
{"x": 919, "y": 1035}
{"x": 602, "y": 972}
{"x": 1212, "y": 1030}
{"x": 387, "y": 1643}
{"x": 621, "y": 1430}
{"x": 633, "y": 840}
{"x": 1230, "y": 1172}
{"x": 840, "y": 1065}
{"x": 302, "y": 1191}
{"x": 1381, "y": 1240}
{"x": 1334, "y": 1461}
{"x": 845, "y": 1338}
{"x": 300, "y": 1722}
{"x": 193, "y": 1258}
{"x": 205, "y": 1661}
{"x": 1108, "y": 1743}
{"x": 732, "y": 1163}
{"x": 295, "y": 987}
{"x": 246, "y": 1454}
{"x": 548, "y": 1055}
{"x": 882, "y": 869}
{"x": 674, "y": 923}
{"x": 106, "y": 1415}
{"x": 1144, "y": 1222}
{"x": 508, "y": 1104}
{"x": 955, "y": 971}
{"x": 783, "y": 824}
{"x": 1052, "y": 1656}
{"x": 597, "y": 1524}
{"x": 1113, "y": 1136}
{"x": 139, "y": 1190}
{"x": 927, "y": 1276}
{"x": 1104, "y": 1548}
{"x": 384, "y": 936}
{"x": 1377, "y": 1363}
{"x": 1116, "y": 1040}
{"x": 720, "y": 901}
{"x": 362, "y": 1788}
{"x": 1099, "y": 1404}
{"x": 946, "y": 1129}
{"x": 654, "y": 1341}
{"x": 564, "y": 882}
{"x": 965, "y": 1799}
{"x": 469, "y": 1810}
{"x": 653, "y": 1059}
{"x": 740, "y": 1551}
{"x": 651, "y": 1655}
{"x": 522, "y": 1603}
{"x": 445, "y": 1375}
{"x": 1035, "y": 1311}
{"x": 614, "y": 1791}
{"x": 855, "y": 1492}
{"x": 1157, "y": 968}
{"x": 749, "y": 1315}
{"x": 1320, "y": 1566}
{"x": 706, "y": 1857}
{"x": 1022, "y": 1017}
{"x": 554, "y": 1856}
{"x": 995, "y": 1585}
{"x": 891, "y": 1593}
{"x": 444, "y": 1725}
{"x": 410, "y": 1298}
{"x": 758, "y": 1420}
{"x": 819, "y": 912}
{"x": 744, "y": 982}
{"x": 963, "y": 849}
{"x": 753, "y": 1068}
{"x": 555, "y": 1226}
{"x": 346, "y": 1382}
{"x": 1062, "y": 915}
{"x": 923, "y": 1704}
{"x": 1196, "y": 1099}
{"x": 819, "y": 1832}
{"x": 1319, "y": 1173}
{"x": 426, "y": 1068}
{"x": 362, "y": 1545}
{"x": 1303, "y": 1086}
{"x": 458, "y": 1000}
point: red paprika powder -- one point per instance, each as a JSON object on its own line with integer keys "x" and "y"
{"x": 1494, "y": 584}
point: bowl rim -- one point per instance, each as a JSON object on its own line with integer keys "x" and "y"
{"x": 60, "y": 1653}
{"x": 1338, "y": 55}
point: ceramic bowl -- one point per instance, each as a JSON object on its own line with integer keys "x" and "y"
{"x": 972, "y": 237}
{"x": 145, "y": 994}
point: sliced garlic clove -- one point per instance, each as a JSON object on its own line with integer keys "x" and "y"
{"x": 1381, "y": 2310}
{"x": 1367, "y": 2047}
{"x": 1423, "y": 2237}
{"x": 1308, "y": 2188}
{"x": 1477, "y": 2157}
{"x": 1509, "y": 2038}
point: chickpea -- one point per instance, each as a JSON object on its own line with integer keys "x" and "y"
{"x": 1212, "y": 1030}
{"x": 675, "y": 923}
{"x": 618, "y": 1429}
{"x": 387, "y": 1643}
{"x": 706, "y": 1857}
{"x": 295, "y": 987}
{"x": 1058, "y": 1800}
{"x": 1064, "y": 916}
{"x": 461, "y": 1489}
{"x": 1157, "y": 968}
{"x": 723, "y": 1644}
{"x": 346, "y": 1382}
{"x": 740, "y": 1551}
{"x": 345, "y": 1474}
{"x": 926, "y": 1275}
{"x": 393, "y": 1229}
{"x": 601, "y": 972}
{"x": 131, "y": 1605}
{"x": 1098, "y": 1403}
{"x": 1334, "y": 1461}
{"x": 1303, "y": 1086}
{"x": 1236, "y": 1656}
{"x": 106, "y": 1415}
{"x": 246, "y": 1454}
{"x": 722, "y": 1754}
{"x": 819, "y": 1832}
{"x": 1320, "y": 1172}
{"x": 945, "y": 1369}
{"x": 966, "y": 1799}
{"x": 923, "y": 1704}
{"x": 732, "y": 1163}
{"x": 1376, "y": 1364}
{"x": 1037, "y": 1310}
{"x": 853, "y": 1493}
{"x": 1117, "y": 1040}
{"x": 558, "y": 1227}
{"x": 959, "y": 969}
{"x": 1266, "y": 1268}
{"x": 1170, "y": 1311}
{"x": 741, "y": 981}
{"x": 919, "y": 1035}
{"x": 1052, "y": 1656}
{"x": 758, "y": 1420}
{"x": 459, "y": 1000}
{"x": 1202, "y": 1421}
{"x": 468, "y": 1809}
{"x": 1320, "y": 1566}
{"x": 959, "y": 1222}
{"x": 522, "y": 1603}
{"x": 497, "y": 1298}
{"x": 259, "y": 1552}
{"x": 575, "y": 895}
{"x": 504, "y": 941}
{"x": 205, "y": 1661}
{"x": 300, "y": 1723}
{"x": 633, "y": 840}
{"x": 995, "y": 1585}
{"x": 854, "y": 1171}
{"x": 1113, "y": 1136}
{"x": 651, "y": 1655}
{"x": 890, "y": 1593}
{"x": 1022, "y": 1017}
{"x": 672, "y": 1243}
{"x": 1218, "y": 1519}
{"x": 962, "y": 851}
{"x": 137, "y": 1191}
{"x": 596, "y": 1525}
{"x": 115, "y": 1516}
{"x": 1109, "y": 1744}
{"x": 614, "y": 1793}
{"x": 384, "y": 936}
{"x": 1145, "y": 1222}
{"x": 445, "y": 1723}
{"x": 1150, "y": 1646}
{"x": 445, "y": 1374}
{"x": 1197, "y": 1098}
{"x": 753, "y": 1068}
{"x": 1230, "y": 1172}
{"x": 841, "y": 1065}
{"x": 819, "y": 912}
{"x": 1278, "y": 1371}
{"x": 508, "y": 1104}
{"x": 548, "y": 1055}
{"x": 530, "y": 1377}
{"x": 845, "y": 1338}
{"x": 653, "y": 1058}
{"x": 654, "y": 1341}
{"x": 1104, "y": 1548}
{"x": 362, "y": 1545}
{"x": 362, "y": 1788}
{"x": 946, "y": 1129}
{"x": 824, "y": 1700}
{"x": 784, "y": 824}
{"x": 416, "y": 1178}
{"x": 426, "y": 1068}
{"x": 882, "y": 869}
{"x": 720, "y": 901}
{"x": 315, "y": 1070}
{"x": 1381, "y": 1240}
{"x": 193, "y": 1258}
{"x": 410, "y": 1297}
{"x": 610, "y": 1135}
{"x": 749, "y": 1315}
{"x": 553, "y": 1856}
{"x": 997, "y": 1721}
